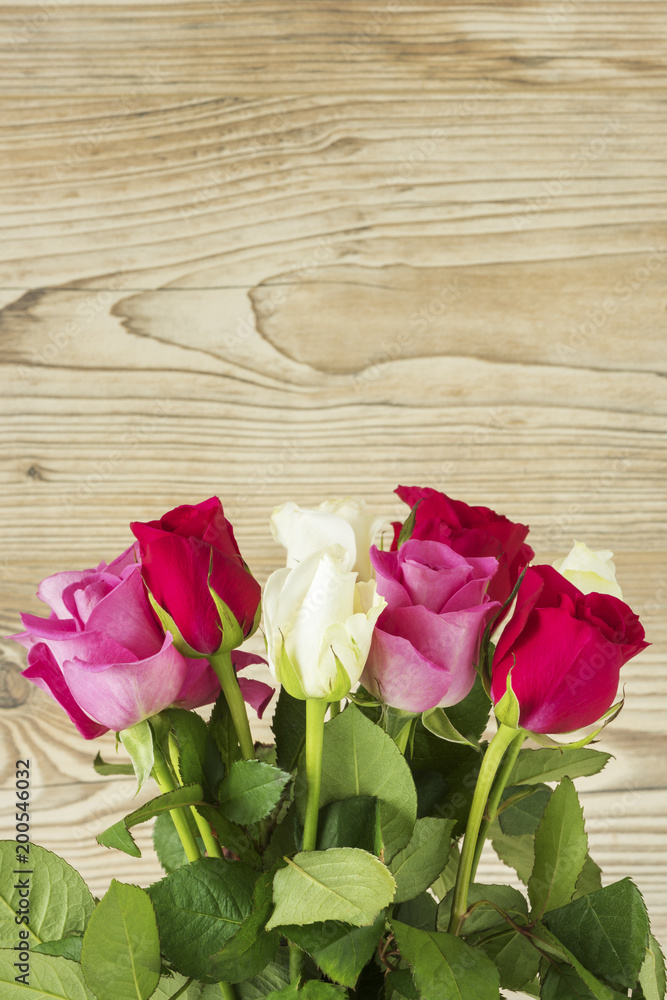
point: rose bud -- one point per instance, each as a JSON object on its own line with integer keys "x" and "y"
{"x": 470, "y": 531}
{"x": 565, "y": 649}
{"x": 318, "y": 623}
{"x": 200, "y": 587}
{"x": 427, "y": 640}
{"x": 103, "y": 656}
{"x": 346, "y": 522}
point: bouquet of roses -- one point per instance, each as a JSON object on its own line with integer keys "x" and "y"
{"x": 341, "y": 861}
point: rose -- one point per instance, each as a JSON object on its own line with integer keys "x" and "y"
{"x": 427, "y": 639}
{"x": 589, "y": 571}
{"x": 318, "y": 623}
{"x": 565, "y": 650}
{"x": 346, "y": 522}
{"x": 470, "y": 531}
{"x": 103, "y": 656}
{"x": 202, "y": 590}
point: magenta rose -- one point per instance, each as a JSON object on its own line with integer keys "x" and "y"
{"x": 103, "y": 656}
{"x": 189, "y": 558}
{"x": 470, "y": 531}
{"x": 426, "y": 642}
{"x": 565, "y": 650}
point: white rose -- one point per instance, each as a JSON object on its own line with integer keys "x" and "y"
{"x": 345, "y": 522}
{"x": 318, "y": 624}
{"x": 591, "y": 572}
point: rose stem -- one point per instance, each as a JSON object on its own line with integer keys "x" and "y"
{"x": 212, "y": 846}
{"x": 224, "y": 668}
{"x": 497, "y": 790}
{"x": 492, "y": 758}
{"x": 166, "y": 783}
{"x": 334, "y": 709}
{"x": 315, "y": 712}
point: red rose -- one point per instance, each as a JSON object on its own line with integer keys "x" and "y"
{"x": 470, "y": 531}
{"x": 190, "y": 562}
{"x": 565, "y": 650}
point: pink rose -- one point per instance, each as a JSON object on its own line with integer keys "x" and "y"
{"x": 103, "y": 656}
{"x": 426, "y": 642}
{"x": 189, "y": 558}
{"x": 565, "y": 650}
{"x": 470, "y": 531}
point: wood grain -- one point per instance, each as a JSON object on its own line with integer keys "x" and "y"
{"x": 280, "y": 268}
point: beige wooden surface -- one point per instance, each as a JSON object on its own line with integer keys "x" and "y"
{"x": 277, "y": 250}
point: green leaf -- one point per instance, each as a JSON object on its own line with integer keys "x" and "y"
{"x": 408, "y": 526}
{"x": 231, "y": 836}
{"x": 447, "y": 879}
{"x": 102, "y": 767}
{"x": 289, "y": 729}
{"x": 551, "y": 946}
{"x": 138, "y": 741}
{"x": 169, "y": 985}
{"x": 535, "y": 766}
{"x": 561, "y": 847}
{"x": 471, "y": 716}
{"x": 311, "y": 990}
{"x": 445, "y": 966}
{"x": 590, "y": 879}
{"x": 438, "y": 723}
{"x": 360, "y": 759}
{"x": 118, "y": 835}
{"x": 252, "y": 947}
{"x": 350, "y": 823}
{"x": 521, "y": 813}
{"x": 561, "y": 982}
{"x": 199, "y": 907}
{"x": 199, "y": 758}
{"x": 425, "y": 855}
{"x": 402, "y": 985}
{"x": 251, "y": 790}
{"x": 514, "y": 955}
{"x": 607, "y": 931}
{"x": 431, "y": 792}
{"x": 60, "y": 901}
{"x": 339, "y": 950}
{"x": 652, "y": 972}
{"x": 274, "y": 977}
{"x": 50, "y": 978}
{"x": 420, "y": 912}
{"x": 459, "y": 766}
{"x": 483, "y": 899}
{"x": 167, "y": 843}
{"x": 340, "y": 884}
{"x": 67, "y": 947}
{"x": 516, "y": 852}
{"x": 222, "y": 730}
{"x": 121, "y": 947}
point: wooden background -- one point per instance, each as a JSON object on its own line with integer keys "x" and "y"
{"x": 276, "y": 250}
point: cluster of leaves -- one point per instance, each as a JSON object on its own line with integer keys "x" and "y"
{"x": 370, "y": 907}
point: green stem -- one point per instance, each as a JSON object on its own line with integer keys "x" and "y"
{"x": 228, "y": 991}
{"x": 210, "y": 843}
{"x": 497, "y": 790}
{"x": 163, "y": 776}
{"x": 224, "y": 668}
{"x": 334, "y": 709}
{"x": 492, "y": 758}
{"x": 315, "y": 712}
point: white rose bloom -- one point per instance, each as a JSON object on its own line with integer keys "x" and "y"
{"x": 318, "y": 624}
{"x": 346, "y": 522}
{"x": 591, "y": 572}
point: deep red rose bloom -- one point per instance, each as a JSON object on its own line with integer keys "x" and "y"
{"x": 565, "y": 650}
{"x": 190, "y": 552}
{"x": 470, "y": 531}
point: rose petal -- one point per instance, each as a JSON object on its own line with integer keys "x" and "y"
{"x": 43, "y": 671}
